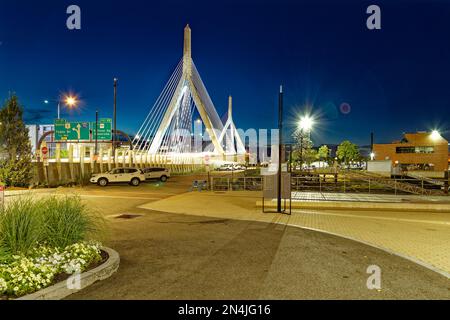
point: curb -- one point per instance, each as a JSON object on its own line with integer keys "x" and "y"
{"x": 337, "y": 205}
{"x": 60, "y": 290}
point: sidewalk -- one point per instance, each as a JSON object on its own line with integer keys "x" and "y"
{"x": 422, "y": 237}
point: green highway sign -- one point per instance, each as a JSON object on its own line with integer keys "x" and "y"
{"x": 104, "y": 130}
{"x": 71, "y": 131}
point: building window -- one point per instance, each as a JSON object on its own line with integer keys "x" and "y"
{"x": 415, "y": 150}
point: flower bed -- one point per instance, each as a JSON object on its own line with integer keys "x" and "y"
{"x": 45, "y": 266}
{"x": 45, "y": 241}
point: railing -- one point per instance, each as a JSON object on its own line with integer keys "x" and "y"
{"x": 346, "y": 184}
{"x": 236, "y": 184}
{"x": 336, "y": 184}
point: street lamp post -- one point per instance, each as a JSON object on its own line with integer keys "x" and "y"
{"x": 280, "y": 146}
{"x": 96, "y": 133}
{"x": 114, "y": 137}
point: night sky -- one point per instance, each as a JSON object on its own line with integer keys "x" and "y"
{"x": 395, "y": 79}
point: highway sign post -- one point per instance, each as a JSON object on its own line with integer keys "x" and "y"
{"x": 83, "y": 131}
{"x": 71, "y": 131}
{"x": 104, "y": 130}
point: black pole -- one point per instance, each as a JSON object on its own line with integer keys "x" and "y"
{"x": 96, "y": 132}
{"x": 280, "y": 145}
{"x": 114, "y": 137}
{"x": 290, "y": 158}
{"x": 371, "y": 142}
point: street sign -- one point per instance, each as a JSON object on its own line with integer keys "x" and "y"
{"x": 44, "y": 152}
{"x": 104, "y": 129}
{"x": 71, "y": 131}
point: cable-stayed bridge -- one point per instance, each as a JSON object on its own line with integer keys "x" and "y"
{"x": 170, "y": 129}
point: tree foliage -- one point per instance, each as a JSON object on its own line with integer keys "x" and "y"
{"x": 323, "y": 153}
{"x": 302, "y": 152}
{"x": 347, "y": 152}
{"x": 15, "y": 148}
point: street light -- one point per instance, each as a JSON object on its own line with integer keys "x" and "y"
{"x": 306, "y": 123}
{"x": 68, "y": 100}
{"x": 435, "y": 135}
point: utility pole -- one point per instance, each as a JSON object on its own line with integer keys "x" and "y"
{"x": 280, "y": 145}
{"x": 114, "y": 137}
{"x": 96, "y": 133}
{"x": 371, "y": 142}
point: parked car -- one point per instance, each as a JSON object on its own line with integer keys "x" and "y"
{"x": 161, "y": 174}
{"x": 133, "y": 176}
{"x": 231, "y": 167}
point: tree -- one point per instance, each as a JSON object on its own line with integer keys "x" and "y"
{"x": 347, "y": 152}
{"x": 310, "y": 156}
{"x": 303, "y": 145}
{"x": 323, "y": 153}
{"x": 15, "y": 147}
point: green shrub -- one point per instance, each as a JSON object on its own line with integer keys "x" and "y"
{"x": 67, "y": 221}
{"x": 56, "y": 221}
{"x": 20, "y": 226}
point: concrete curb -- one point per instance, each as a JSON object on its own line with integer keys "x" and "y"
{"x": 60, "y": 290}
{"x": 338, "y": 205}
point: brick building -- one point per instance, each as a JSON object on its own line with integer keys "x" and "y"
{"x": 416, "y": 151}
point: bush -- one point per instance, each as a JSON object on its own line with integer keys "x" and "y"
{"x": 67, "y": 220}
{"x": 20, "y": 226}
{"x": 56, "y": 221}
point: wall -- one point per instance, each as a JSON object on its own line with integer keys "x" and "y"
{"x": 383, "y": 167}
{"x": 439, "y": 157}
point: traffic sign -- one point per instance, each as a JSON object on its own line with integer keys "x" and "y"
{"x": 104, "y": 129}
{"x": 44, "y": 150}
{"x": 71, "y": 131}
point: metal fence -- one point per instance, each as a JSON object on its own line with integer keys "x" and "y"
{"x": 236, "y": 184}
{"x": 335, "y": 184}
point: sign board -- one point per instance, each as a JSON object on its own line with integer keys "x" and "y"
{"x": 270, "y": 186}
{"x": 71, "y": 131}
{"x": 207, "y": 160}
{"x": 104, "y": 130}
{"x": 44, "y": 153}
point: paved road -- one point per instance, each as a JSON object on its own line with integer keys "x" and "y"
{"x": 172, "y": 256}
{"x": 179, "y": 256}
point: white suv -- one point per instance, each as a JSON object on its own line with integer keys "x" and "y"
{"x": 161, "y": 174}
{"x": 133, "y": 176}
